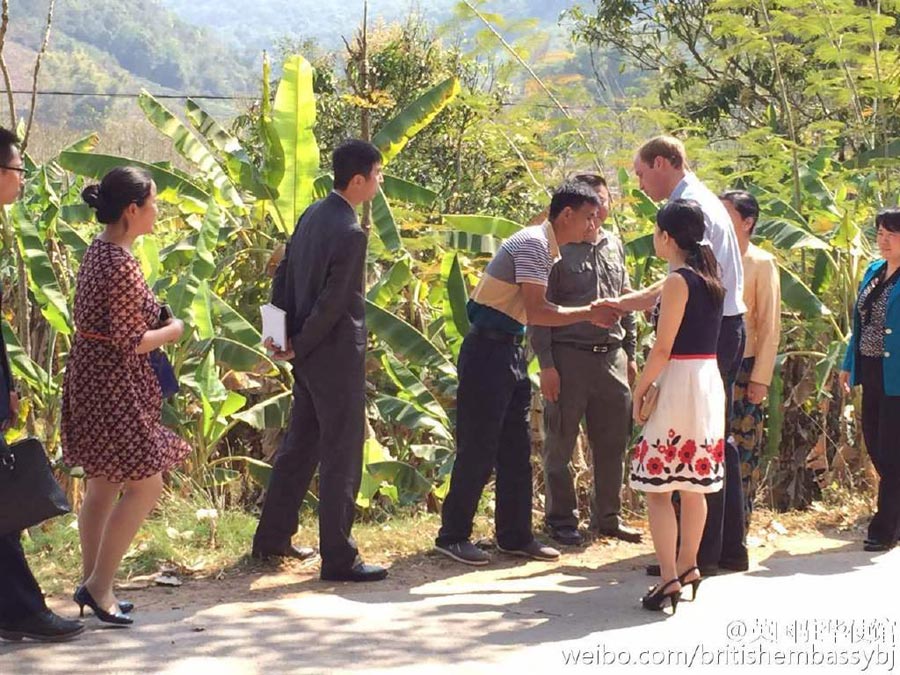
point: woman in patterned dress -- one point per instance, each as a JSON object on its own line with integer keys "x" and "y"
{"x": 681, "y": 446}
{"x": 111, "y": 416}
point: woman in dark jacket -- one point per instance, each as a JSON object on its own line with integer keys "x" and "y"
{"x": 873, "y": 360}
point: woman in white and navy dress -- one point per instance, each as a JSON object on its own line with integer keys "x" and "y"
{"x": 681, "y": 446}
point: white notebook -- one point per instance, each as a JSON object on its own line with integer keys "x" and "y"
{"x": 274, "y": 325}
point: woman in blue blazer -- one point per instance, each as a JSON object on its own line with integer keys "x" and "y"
{"x": 873, "y": 361}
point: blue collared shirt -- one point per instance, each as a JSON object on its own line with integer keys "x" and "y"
{"x": 720, "y": 235}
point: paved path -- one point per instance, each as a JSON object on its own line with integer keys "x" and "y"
{"x": 839, "y": 607}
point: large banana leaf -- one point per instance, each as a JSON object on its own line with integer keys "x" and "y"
{"x": 385, "y": 225}
{"x": 170, "y": 186}
{"x": 387, "y": 288}
{"x": 787, "y": 236}
{"x": 189, "y": 147}
{"x": 200, "y": 268}
{"x": 405, "y": 340}
{"x": 23, "y": 366}
{"x": 237, "y": 162}
{"x": 405, "y": 414}
{"x": 641, "y": 247}
{"x": 233, "y": 325}
{"x": 413, "y": 390}
{"x": 293, "y": 120}
{"x": 260, "y": 472}
{"x": 411, "y": 485}
{"x": 456, "y": 296}
{"x": 201, "y": 311}
{"x": 397, "y": 189}
{"x": 72, "y": 238}
{"x": 84, "y": 144}
{"x": 272, "y": 413}
{"x": 41, "y": 276}
{"x": 797, "y": 295}
{"x": 482, "y": 225}
{"x": 240, "y": 357}
{"x": 323, "y": 185}
{"x": 273, "y": 156}
{"x": 373, "y": 452}
{"x": 146, "y": 250}
{"x": 394, "y": 135}
{"x": 473, "y": 243}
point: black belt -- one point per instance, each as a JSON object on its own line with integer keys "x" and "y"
{"x": 604, "y": 348}
{"x": 496, "y": 335}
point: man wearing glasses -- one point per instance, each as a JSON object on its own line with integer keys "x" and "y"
{"x": 586, "y": 372}
{"x": 23, "y": 613}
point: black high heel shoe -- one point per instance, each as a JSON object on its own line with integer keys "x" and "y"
{"x": 695, "y": 583}
{"x": 655, "y": 599}
{"x": 125, "y": 606}
{"x": 83, "y": 597}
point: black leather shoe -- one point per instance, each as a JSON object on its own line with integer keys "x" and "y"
{"x": 44, "y": 626}
{"x": 567, "y": 536}
{"x": 359, "y": 572}
{"x": 622, "y": 532}
{"x": 298, "y": 552}
{"x": 879, "y": 546}
{"x": 869, "y": 540}
{"x": 736, "y": 565}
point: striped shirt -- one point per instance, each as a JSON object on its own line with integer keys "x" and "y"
{"x": 526, "y": 257}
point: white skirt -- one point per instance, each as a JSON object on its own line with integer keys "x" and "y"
{"x": 682, "y": 445}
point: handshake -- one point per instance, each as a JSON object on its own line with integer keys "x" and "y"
{"x": 606, "y": 311}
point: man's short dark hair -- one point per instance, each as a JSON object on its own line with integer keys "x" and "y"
{"x": 592, "y": 178}
{"x": 352, "y": 158}
{"x": 744, "y": 203}
{"x": 573, "y": 194}
{"x": 8, "y": 141}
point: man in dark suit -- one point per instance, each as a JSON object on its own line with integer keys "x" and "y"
{"x": 320, "y": 284}
{"x": 23, "y": 613}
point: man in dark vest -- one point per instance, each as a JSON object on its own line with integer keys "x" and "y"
{"x": 23, "y": 613}
{"x": 320, "y": 284}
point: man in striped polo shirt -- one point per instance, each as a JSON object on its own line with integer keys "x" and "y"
{"x": 494, "y": 393}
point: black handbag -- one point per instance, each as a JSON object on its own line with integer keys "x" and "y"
{"x": 29, "y": 494}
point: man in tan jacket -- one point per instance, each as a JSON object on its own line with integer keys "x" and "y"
{"x": 762, "y": 295}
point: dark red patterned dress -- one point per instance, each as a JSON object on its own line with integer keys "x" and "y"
{"x": 111, "y": 415}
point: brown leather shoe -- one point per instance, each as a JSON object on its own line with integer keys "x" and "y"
{"x": 298, "y": 552}
{"x": 622, "y": 532}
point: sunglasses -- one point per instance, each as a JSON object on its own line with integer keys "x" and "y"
{"x": 20, "y": 169}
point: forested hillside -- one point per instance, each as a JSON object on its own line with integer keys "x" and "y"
{"x": 117, "y": 46}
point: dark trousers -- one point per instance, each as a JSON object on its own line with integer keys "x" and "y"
{"x": 492, "y": 405}
{"x": 327, "y": 429}
{"x": 20, "y": 595}
{"x": 881, "y": 430}
{"x": 593, "y": 386}
{"x": 723, "y": 536}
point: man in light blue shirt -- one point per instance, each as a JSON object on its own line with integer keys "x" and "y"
{"x": 662, "y": 169}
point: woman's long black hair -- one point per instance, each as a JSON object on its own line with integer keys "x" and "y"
{"x": 682, "y": 219}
